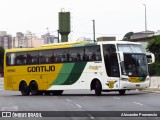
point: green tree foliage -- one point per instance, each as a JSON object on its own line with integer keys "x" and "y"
{"x": 1, "y": 58}
{"x": 127, "y": 36}
{"x": 154, "y": 47}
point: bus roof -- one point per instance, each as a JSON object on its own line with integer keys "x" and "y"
{"x": 65, "y": 43}
{"x": 117, "y": 42}
{"x": 69, "y": 45}
{"x": 54, "y": 46}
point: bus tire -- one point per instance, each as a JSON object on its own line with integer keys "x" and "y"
{"x": 98, "y": 88}
{"x": 24, "y": 89}
{"x": 34, "y": 88}
{"x": 57, "y": 92}
{"x": 122, "y": 92}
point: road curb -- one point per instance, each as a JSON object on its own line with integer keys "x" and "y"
{"x": 154, "y": 90}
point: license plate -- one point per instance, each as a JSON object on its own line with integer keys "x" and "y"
{"x": 137, "y": 85}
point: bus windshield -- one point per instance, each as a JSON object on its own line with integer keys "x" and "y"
{"x": 135, "y": 65}
{"x": 135, "y": 62}
{"x": 131, "y": 48}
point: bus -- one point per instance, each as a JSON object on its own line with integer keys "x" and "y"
{"x": 99, "y": 66}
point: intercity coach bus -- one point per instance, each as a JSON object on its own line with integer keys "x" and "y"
{"x": 100, "y": 66}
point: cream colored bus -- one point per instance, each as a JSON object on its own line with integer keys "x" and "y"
{"x": 101, "y": 66}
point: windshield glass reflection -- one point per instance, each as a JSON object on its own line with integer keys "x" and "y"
{"x": 135, "y": 65}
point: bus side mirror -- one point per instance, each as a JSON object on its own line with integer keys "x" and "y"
{"x": 121, "y": 56}
{"x": 150, "y": 58}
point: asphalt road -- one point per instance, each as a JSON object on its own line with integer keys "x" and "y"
{"x": 81, "y": 100}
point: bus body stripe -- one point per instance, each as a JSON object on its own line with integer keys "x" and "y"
{"x": 64, "y": 73}
{"x": 75, "y": 73}
{"x": 69, "y": 73}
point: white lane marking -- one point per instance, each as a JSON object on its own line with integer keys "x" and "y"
{"x": 78, "y": 105}
{"x": 91, "y": 116}
{"x": 117, "y": 98}
{"x": 138, "y": 103}
{"x": 68, "y": 100}
{"x": 74, "y": 103}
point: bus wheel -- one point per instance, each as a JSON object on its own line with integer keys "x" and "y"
{"x": 122, "y": 92}
{"x": 98, "y": 88}
{"x": 24, "y": 89}
{"x": 34, "y": 88}
{"x": 57, "y": 92}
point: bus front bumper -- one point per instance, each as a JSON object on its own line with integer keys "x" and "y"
{"x": 136, "y": 85}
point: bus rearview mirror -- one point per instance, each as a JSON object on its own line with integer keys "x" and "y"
{"x": 150, "y": 58}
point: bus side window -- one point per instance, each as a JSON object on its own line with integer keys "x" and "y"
{"x": 42, "y": 59}
{"x": 92, "y": 53}
{"x": 78, "y": 57}
{"x": 61, "y": 55}
{"x": 21, "y": 58}
{"x": 48, "y": 59}
{"x": 93, "y": 57}
{"x": 58, "y": 55}
{"x": 53, "y": 58}
{"x": 17, "y": 61}
{"x": 11, "y": 59}
{"x": 32, "y": 57}
{"x": 34, "y": 60}
{"x": 8, "y": 59}
{"x": 45, "y": 56}
{"x": 65, "y": 56}
{"x": 72, "y": 55}
{"x": 76, "y": 54}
